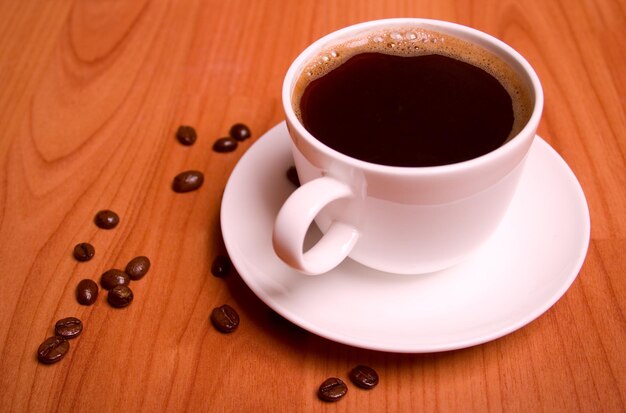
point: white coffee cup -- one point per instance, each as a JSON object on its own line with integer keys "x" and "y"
{"x": 405, "y": 220}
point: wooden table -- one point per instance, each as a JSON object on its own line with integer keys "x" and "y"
{"x": 92, "y": 93}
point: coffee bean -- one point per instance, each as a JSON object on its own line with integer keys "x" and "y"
{"x": 84, "y": 251}
{"x": 53, "y": 349}
{"x": 332, "y": 389}
{"x": 292, "y": 175}
{"x": 86, "y": 292}
{"x": 188, "y": 181}
{"x": 240, "y": 132}
{"x": 221, "y": 266}
{"x": 227, "y": 144}
{"x": 137, "y": 267}
{"x": 120, "y": 296}
{"x": 364, "y": 376}
{"x": 225, "y": 318}
{"x": 69, "y": 327}
{"x": 106, "y": 219}
{"x": 113, "y": 278}
{"x": 186, "y": 135}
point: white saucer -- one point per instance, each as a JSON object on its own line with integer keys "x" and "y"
{"x": 527, "y": 265}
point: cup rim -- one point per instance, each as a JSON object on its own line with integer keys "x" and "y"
{"x": 527, "y": 132}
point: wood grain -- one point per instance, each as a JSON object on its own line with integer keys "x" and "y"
{"x": 92, "y": 93}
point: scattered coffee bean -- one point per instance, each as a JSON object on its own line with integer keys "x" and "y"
{"x": 364, "y": 377}
{"x": 227, "y": 144}
{"x": 188, "y": 181}
{"x": 106, "y": 219}
{"x": 53, "y": 349}
{"x": 84, "y": 251}
{"x": 332, "y": 389}
{"x": 86, "y": 292}
{"x": 225, "y": 318}
{"x": 137, "y": 267}
{"x": 292, "y": 175}
{"x": 113, "y": 278}
{"x": 221, "y": 266}
{"x": 120, "y": 296}
{"x": 69, "y": 327}
{"x": 186, "y": 135}
{"x": 240, "y": 132}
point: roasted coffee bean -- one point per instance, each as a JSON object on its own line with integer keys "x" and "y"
{"x": 69, "y": 327}
{"x": 113, "y": 278}
{"x": 137, "y": 267}
{"x": 368, "y": 108}
{"x": 364, "y": 377}
{"x": 52, "y": 350}
{"x": 106, "y": 219}
{"x": 292, "y": 175}
{"x": 120, "y": 296}
{"x": 240, "y": 132}
{"x": 186, "y": 135}
{"x": 225, "y": 318}
{"x": 221, "y": 266}
{"x": 86, "y": 292}
{"x": 188, "y": 181}
{"x": 84, "y": 251}
{"x": 227, "y": 144}
{"x": 332, "y": 389}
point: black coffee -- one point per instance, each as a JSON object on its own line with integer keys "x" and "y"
{"x": 401, "y": 101}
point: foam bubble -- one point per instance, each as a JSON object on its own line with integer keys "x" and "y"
{"x": 416, "y": 41}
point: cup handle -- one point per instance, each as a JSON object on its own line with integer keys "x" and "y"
{"x": 294, "y": 219}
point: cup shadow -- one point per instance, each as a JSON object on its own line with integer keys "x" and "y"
{"x": 282, "y": 333}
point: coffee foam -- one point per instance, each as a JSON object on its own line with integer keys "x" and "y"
{"x": 412, "y": 41}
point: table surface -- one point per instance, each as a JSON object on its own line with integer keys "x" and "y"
{"x": 92, "y": 94}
